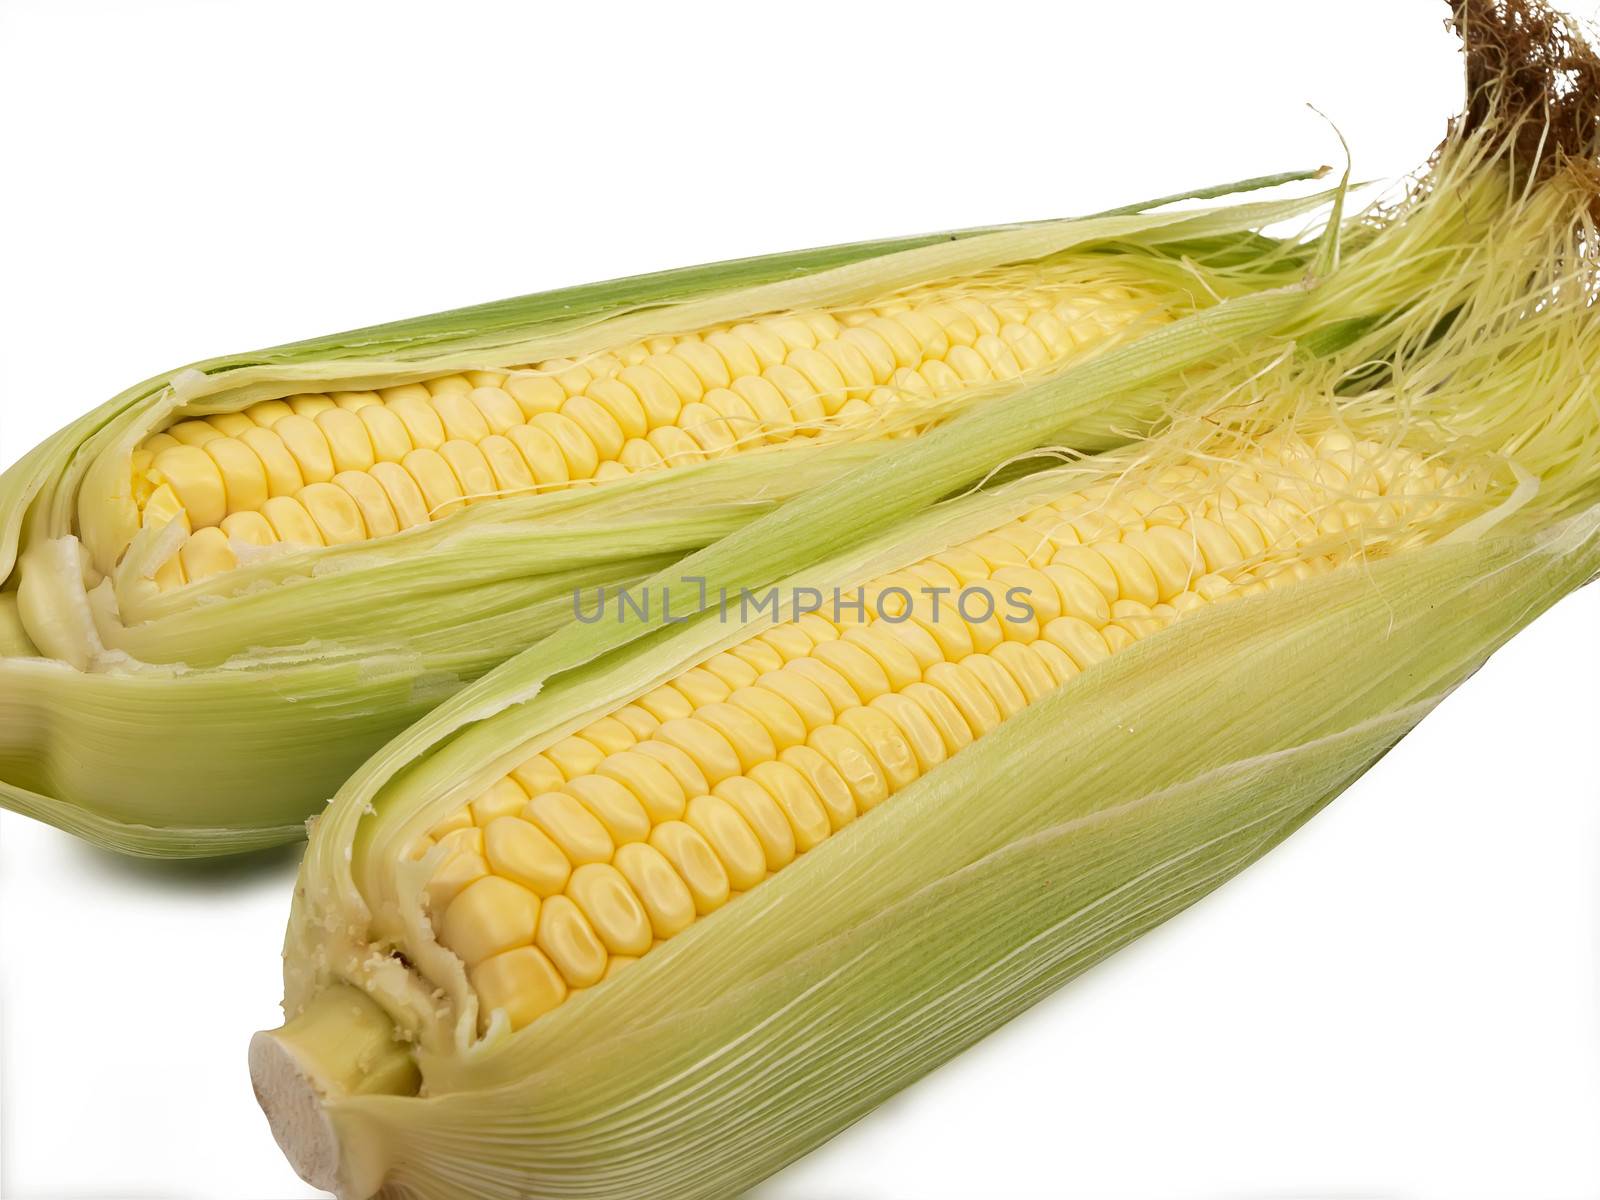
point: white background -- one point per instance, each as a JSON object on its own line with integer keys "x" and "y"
{"x": 1403, "y": 1001}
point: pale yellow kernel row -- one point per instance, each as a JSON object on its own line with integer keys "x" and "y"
{"x": 618, "y": 837}
{"x": 345, "y": 467}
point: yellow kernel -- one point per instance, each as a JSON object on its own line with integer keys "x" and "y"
{"x": 655, "y": 787}
{"x": 658, "y": 887}
{"x": 521, "y": 851}
{"x": 748, "y": 737}
{"x": 798, "y": 801}
{"x": 335, "y": 513}
{"x": 830, "y": 788}
{"x": 405, "y": 498}
{"x": 898, "y": 664}
{"x": 890, "y": 750}
{"x": 998, "y": 683}
{"x": 916, "y": 727}
{"x": 194, "y": 477}
{"x": 613, "y": 805}
{"x": 689, "y": 776}
{"x": 501, "y": 798}
{"x": 731, "y": 838}
{"x": 1025, "y": 669}
{"x": 282, "y": 472}
{"x": 967, "y": 694}
{"x": 454, "y": 872}
{"x": 832, "y": 685}
{"x": 522, "y": 983}
{"x": 206, "y": 553}
{"x": 489, "y": 916}
{"x": 377, "y": 514}
{"x": 763, "y": 816}
{"x": 707, "y": 748}
{"x": 574, "y": 756}
{"x": 943, "y": 713}
{"x": 613, "y": 910}
{"x": 1082, "y": 642}
{"x": 572, "y": 827}
{"x": 859, "y": 669}
{"x": 694, "y": 862}
{"x": 780, "y": 720}
{"x": 291, "y": 522}
{"x": 854, "y": 763}
{"x": 571, "y": 943}
{"x": 801, "y": 695}
{"x": 244, "y": 479}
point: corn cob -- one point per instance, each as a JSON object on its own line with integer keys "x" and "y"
{"x": 651, "y": 911}
{"x": 620, "y": 836}
{"x": 329, "y": 469}
{"x": 737, "y": 907}
{"x": 204, "y": 551}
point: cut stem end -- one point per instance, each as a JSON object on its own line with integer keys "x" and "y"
{"x": 342, "y": 1044}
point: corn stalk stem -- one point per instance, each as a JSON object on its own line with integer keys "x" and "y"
{"x": 342, "y": 1044}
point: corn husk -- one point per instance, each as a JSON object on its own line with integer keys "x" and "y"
{"x": 1094, "y": 814}
{"x": 769, "y": 1026}
{"x": 216, "y": 718}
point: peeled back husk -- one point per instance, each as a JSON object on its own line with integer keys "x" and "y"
{"x": 216, "y": 717}
{"x": 1086, "y": 819}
